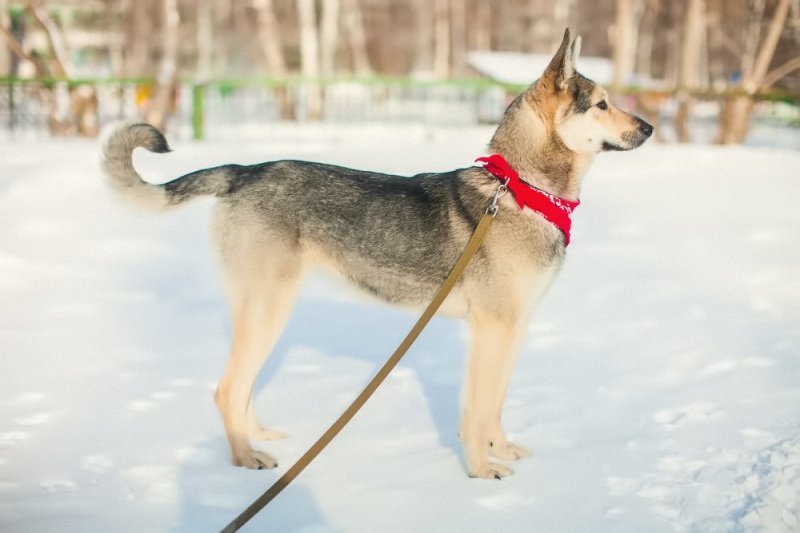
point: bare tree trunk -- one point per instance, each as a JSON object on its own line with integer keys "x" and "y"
{"x": 423, "y": 37}
{"x": 441, "y": 46}
{"x": 779, "y": 72}
{"x": 139, "y": 39}
{"x": 55, "y": 41}
{"x": 648, "y": 104}
{"x": 272, "y": 44}
{"x": 329, "y": 36}
{"x": 482, "y": 27}
{"x": 693, "y": 39}
{"x": 159, "y": 106}
{"x": 116, "y": 12}
{"x": 309, "y": 56}
{"x": 270, "y": 36}
{"x": 353, "y": 23}
{"x": 561, "y": 10}
{"x": 624, "y": 43}
{"x": 647, "y": 30}
{"x": 222, "y": 20}
{"x": 205, "y": 39}
{"x": 5, "y": 27}
{"x": 81, "y": 115}
{"x": 458, "y": 20}
{"x": 737, "y": 109}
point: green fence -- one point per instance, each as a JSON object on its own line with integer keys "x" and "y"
{"x": 203, "y": 106}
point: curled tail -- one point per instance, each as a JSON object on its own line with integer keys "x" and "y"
{"x": 123, "y": 178}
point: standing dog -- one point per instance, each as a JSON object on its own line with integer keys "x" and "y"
{"x": 398, "y": 238}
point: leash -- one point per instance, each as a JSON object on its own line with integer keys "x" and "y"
{"x": 472, "y": 246}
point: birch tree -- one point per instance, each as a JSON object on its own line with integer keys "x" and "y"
{"x": 692, "y": 45}
{"x": 158, "y": 107}
{"x": 624, "y": 42}
{"x": 353, "y": 24}
{"x": 269, "y": 34}
{"x": 309, "y": 56}
{"x": 441, "y": 40}
{"x": 80, "y": 116}
{"x": 329, "y": 37}
{"x": 5, "y": 29}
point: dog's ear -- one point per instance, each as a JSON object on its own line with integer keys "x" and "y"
{"x": 562, "y": 66}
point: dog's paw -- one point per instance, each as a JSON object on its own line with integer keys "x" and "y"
{"x": 490, "y": 470}
{"x": 507, "y": 451}
{"x": 266, "y": 434}
{"x": 257, "y": 460}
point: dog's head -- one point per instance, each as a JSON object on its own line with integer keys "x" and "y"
{"x": 578, "y": 111}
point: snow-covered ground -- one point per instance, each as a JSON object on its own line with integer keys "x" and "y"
{"x": 659, "y": 385}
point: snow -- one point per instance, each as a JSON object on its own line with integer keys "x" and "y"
{"x": 658, "y": 388}
{"x": 520, "y": 68}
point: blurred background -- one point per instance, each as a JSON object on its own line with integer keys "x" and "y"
{"x": 700, "y": 70}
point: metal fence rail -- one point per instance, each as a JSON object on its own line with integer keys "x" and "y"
{"x": 26, "y": 104}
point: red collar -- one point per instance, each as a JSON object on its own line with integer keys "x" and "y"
{"x": 555, "y": 210}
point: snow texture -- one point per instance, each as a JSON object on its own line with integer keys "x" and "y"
{"x": 659, "y": 386}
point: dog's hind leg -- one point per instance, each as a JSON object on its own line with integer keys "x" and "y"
{"x": 263, "y": 284}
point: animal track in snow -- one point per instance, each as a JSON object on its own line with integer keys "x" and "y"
{"x": 155, "y": 397}
{"x": 141, "y": 405}
{"x": 31, "y": 397}
{"x": 33, "y": 420}
{"x": 97, "y": 464}
{"x": 54, "y": 486}
{"x": 696, "y": 412}
{"x": 724, "y": 490}
{"x": 508, "y": 501}
{"x": 13, "y": 437}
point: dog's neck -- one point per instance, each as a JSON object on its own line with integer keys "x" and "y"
{"x": 540, "y": 156}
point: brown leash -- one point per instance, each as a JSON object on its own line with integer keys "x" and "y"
{"x": 472, "y": 247}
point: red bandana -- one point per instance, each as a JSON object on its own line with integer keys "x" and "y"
{"x": 555, "y": 210}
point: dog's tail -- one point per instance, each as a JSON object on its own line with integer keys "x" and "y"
{"x": 123, "y": 178}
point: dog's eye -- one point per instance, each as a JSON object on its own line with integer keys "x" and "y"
{"x": 602, "y": 105}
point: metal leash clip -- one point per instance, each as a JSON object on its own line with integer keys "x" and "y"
{"x": 502, "y": 189}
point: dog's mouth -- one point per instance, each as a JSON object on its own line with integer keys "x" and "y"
{"x": 630, "y": 139}
{"x": 611, "y": 147}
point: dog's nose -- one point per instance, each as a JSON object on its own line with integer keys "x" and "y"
{"x": 645, "y": 128}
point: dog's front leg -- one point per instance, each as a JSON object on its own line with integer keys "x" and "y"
{"x": 494, "y": 346}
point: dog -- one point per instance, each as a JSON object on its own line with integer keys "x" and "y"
{"x": 397, "y": 238}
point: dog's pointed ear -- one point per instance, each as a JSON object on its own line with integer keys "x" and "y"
{"x": 562, "y": 66}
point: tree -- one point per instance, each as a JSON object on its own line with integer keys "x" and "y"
{"x": 692, "y": 46}
{"x": 441, "y": 39}
{"x": 329, "y": 37}
{"x": 5, "y": 29}
{"x": 737, "y": 108}
{"x": 81, "y": 116}
{"x": 353, "y": 22}
{"x": 309, "y": 56}
{"x": 624, "y": 39}
{"x": 159, "y": 105}
{"x": 269, "y": 35}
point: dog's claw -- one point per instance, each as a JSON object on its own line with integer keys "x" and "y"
{"x": 257, "y": 460}
{"x": 490, "y": 471}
